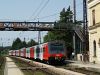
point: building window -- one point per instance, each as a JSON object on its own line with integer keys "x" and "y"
{"x": 99, "y": 43}
{"x": 93, "y": 17}
{"x": 94, "y": 45}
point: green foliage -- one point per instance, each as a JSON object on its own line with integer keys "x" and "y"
{"x": 24, "y": 44}
{"x": 4, "y": 50}
{"x": 66, "y": 21}
{"x": 31, "y": 43}
{"x": 66, "y": 16}
{"x": 18, "y": 44}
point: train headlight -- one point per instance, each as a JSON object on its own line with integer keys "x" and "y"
{"x": 56, "y": 57}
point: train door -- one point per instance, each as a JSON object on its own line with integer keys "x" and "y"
{"x": 41, "y": 53}
{"x": 28, "y": 52}
{"x": 13, "y": 52}
{"x": 9, "y": 52}
{"x": 37, "y": 52}
{"x": 21, "y": 52}
{"x": 45, "y": 52}
{"x": 24, "y": 52}
{"x": 17, "y": 52}
{"x": 32, "y": 52}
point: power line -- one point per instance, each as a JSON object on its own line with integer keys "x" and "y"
{"x": 42, "y": 9}
{"x": 47, "y": 16}
{"x": 36, "y": 9}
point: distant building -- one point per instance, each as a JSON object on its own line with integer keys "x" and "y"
{"x": 94, "y": 30}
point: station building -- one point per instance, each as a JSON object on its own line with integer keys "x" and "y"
{"x": 94, "y": 30}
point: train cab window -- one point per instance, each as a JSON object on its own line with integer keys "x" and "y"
{"x": 56, "y": 48}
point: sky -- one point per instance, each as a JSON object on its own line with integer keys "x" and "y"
{"x": 32, "y": 10}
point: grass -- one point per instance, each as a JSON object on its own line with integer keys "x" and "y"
{"x": 39, "y": 73}
{"x": 2, "y": 65}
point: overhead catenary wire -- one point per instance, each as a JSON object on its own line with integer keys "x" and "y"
{"x": 36, "y": 10}
{"x": 37, "y": 15}
{"x": 44, "y": 17}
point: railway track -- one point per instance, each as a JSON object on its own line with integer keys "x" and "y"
{"x": 44, "y": 68}
{"x": 80, "y": 70}
{"x": 29, "y": 69}
{"x": 27, "y": 65}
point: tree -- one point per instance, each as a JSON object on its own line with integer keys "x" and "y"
{"x": 24, "y": 44}
{"x": 66, "y": 16}
{"x": 31, "y": 43}
{"x": 17, "y": 44}
{"x": 66, "y": 23}
{"x": 66, "y": 20}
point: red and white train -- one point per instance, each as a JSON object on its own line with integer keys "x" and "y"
{"x": 50, "y": 51}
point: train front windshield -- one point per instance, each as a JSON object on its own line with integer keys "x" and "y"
{"x": 56, "y": 48}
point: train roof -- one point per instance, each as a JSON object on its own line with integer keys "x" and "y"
{"x": 56, "y": 41}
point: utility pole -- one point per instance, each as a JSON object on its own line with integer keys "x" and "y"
{"x": 2, "y": 44}
{"x": 39, "y": 35}
{"x": 74, "y": 8}
{"x": 24, "y": 39}
{"x": 74, "y": 20}
{"x": 85, "y": 28}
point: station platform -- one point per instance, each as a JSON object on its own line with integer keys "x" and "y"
{"x": 86, "y": 65}
{"x": 11, "y": 68}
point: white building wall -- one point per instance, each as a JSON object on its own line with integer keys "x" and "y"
{"x": 94, "y": 30}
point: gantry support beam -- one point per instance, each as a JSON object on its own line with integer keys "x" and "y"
{"x": 35, "y": 26}
{"x": 26, "y": 26}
